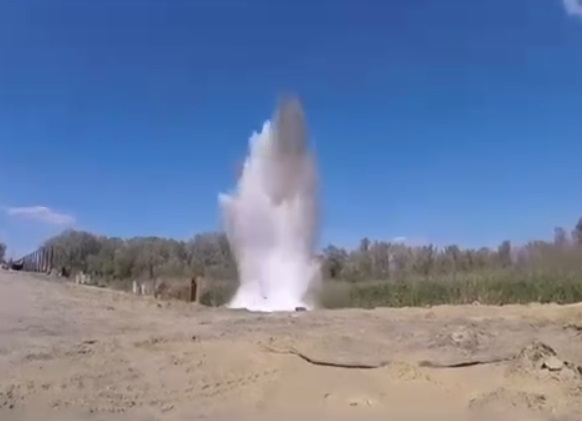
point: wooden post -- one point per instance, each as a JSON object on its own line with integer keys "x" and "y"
{"x": 51, "y": 259}
{"x": 193, "y": 291}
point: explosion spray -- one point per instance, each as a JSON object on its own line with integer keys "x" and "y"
{"x": 271, "y": 220}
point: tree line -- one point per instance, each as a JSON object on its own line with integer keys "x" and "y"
{"x": 209, "y": 255}
{"x": 375, "y": 273}
{"x": 2, "y": 252}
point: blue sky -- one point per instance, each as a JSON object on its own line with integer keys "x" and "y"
{"x": 449, "y": 121}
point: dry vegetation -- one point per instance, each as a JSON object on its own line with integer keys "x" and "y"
{"x": 376, "y": 273}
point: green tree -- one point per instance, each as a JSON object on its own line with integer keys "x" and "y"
{"x": 504, "y": 252}
{"x": 2, "y": 252}
{"x": 334, "y": 261}
{"x": 577, "y": 233}
{"x": 560, "y": 237}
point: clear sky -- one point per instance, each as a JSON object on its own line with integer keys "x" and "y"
{"x": 449, "y": 121}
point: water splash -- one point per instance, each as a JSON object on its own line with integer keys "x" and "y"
{"x": 272, "y": 218}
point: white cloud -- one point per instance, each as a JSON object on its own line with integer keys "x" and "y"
{"x": 414, "y": 241}
{"x": 573, "y": 7}
{"x": 400, "y": 239}
{"x": 42, "y": 214}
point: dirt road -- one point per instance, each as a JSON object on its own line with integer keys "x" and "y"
{"x": 74, "y": 352}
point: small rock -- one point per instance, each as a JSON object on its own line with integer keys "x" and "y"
{"x": 361, "y": 402}
{"x": 464, "y": 337}
{"x": 534, "y": 354}
{"x": 167, "y": 407}
{"x": 553, "y": 364}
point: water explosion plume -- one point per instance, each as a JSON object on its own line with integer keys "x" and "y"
{"x": 271, "y": 220}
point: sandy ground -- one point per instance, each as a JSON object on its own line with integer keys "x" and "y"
{"x": 76, "y": 352}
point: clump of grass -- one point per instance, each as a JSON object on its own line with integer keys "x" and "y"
{"x": 173, "y": 289}
{"x": 217, "y": 293}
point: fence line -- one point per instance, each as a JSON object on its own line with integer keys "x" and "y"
{"x": 40, "y": 260}
{"x": 43, "y": 259}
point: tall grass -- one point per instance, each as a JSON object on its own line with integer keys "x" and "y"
{"x": 495, "y": 288}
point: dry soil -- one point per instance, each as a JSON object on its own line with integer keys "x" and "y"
{"x": 70, "y": 352}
